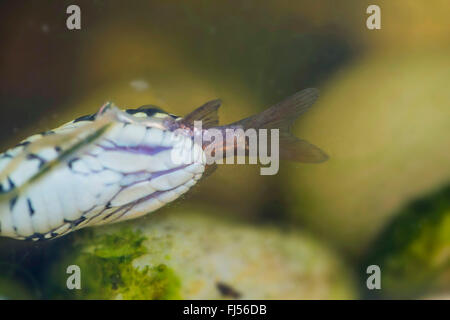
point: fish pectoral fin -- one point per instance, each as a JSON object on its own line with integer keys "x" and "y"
{"x": 207, "y": 113}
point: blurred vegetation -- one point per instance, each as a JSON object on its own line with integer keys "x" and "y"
{"x": 382, "y": 117}
{"x": 413, "y": 251}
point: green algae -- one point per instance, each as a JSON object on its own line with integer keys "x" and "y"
{"x": 14, "y": 289}
{"x": 414, "y": 251}
{"x": 156, "y": 283}
{"x": 105, "y": 261}
{"x": 124, "y": 245}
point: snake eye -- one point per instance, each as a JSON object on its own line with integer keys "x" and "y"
{"x": 148, "y": 110}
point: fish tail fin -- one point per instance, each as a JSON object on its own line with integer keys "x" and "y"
{"x": 282, "y": 116}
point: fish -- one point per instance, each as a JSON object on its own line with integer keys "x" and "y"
{"x": 115, "y": 165}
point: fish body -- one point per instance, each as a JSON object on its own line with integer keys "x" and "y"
{"x": 117, "y": 165}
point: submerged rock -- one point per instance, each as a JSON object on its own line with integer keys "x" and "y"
{"x": 384, "y": 127}
{"x": 185, "y": 255}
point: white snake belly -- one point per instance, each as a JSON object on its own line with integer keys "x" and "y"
{"x": 127, "y": 173}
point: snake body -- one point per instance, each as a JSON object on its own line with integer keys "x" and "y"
{"x": 116, "y": 170}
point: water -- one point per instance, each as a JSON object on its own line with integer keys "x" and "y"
{"x": 381, "y": 123}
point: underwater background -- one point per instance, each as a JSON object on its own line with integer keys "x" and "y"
{"x": 311, "y": 231}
